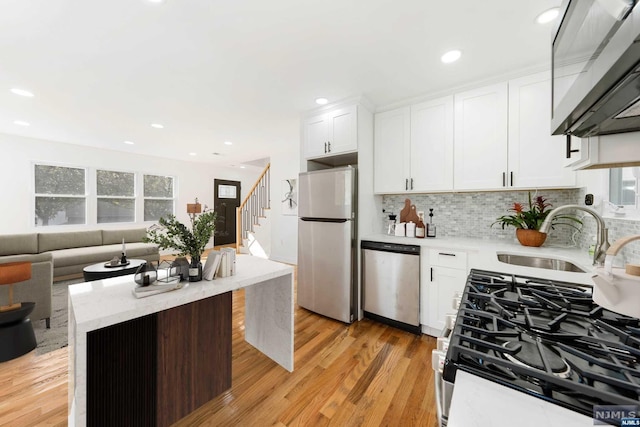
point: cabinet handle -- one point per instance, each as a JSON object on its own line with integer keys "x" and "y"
{"x": 504, "y": 179}
{"x": 412, "y": 183}
{"x": 569, "y": 150}
{"x": 329, "y": 145}
{"x": 406, "y": 184}
{"x": 511, "y": 173}
{"x": 446, "y": 254}
{"x": 431, "y": 273}
{"x": 325, "y": 147}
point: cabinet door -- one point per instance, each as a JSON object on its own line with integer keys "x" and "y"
{"x": 445, "y": 282}
{"x": 536, "y": 158}
{"x": 391, "y": 151}
{"x": 432, "y": 145}
{"x": 343, "y": 130}
{"x": 481, "y": 138}
{"x": 316, "y": 136}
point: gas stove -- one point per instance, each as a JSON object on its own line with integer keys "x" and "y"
{"x": 545, "y": 338}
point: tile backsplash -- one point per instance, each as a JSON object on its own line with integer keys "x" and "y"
{"x": 471, "y": 215}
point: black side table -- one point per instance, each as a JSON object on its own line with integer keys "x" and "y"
{"x": 16, "y": 332}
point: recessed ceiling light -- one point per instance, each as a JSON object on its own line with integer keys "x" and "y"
{"x": 21, "y": 123}
{"x": 157, "y": 126}
{"x": 242, "y": 167}
{"x": 155, "y": 1}
{"x": 21, "y": 92}
{"x": 451, "y": 56}
{"x": 321, "y": 101}
{"x": 548, "y": 15}
{"x": 128, "y": 142}
{"x": 228, "y": 143}
{"x": 193, "y": 154}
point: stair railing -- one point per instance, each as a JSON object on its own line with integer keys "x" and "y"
{"x": 258, "y": 199}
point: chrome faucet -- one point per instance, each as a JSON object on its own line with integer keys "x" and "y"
{"x": 602, "y": 242}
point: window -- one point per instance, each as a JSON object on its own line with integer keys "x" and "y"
{"x": 116, "y": 196}
{"x": 623, "y": 186}
{"x": 158, "y": 197}
{"x": 60, "y": 195}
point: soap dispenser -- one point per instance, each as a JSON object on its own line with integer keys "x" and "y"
{"x": 431, "y": 227}
{"x": 421, "y": 229}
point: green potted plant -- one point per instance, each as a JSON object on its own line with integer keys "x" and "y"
{"x": 170, "y": 233}
{"x": 528, "y": 222}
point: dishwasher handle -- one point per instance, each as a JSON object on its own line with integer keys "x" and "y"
{"x": 390, "y": 247}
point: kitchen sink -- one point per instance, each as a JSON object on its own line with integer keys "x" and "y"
{"x": 540, "y": 262}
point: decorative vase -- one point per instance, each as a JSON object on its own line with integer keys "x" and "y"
{"x": 195, "y": 269}
{"x": 146, "y": 274}
{"x": 530, "y": 237}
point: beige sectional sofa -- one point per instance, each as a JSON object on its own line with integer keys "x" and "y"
{"x": 62, "y": 254}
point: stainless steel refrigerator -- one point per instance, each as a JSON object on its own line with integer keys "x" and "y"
{"x": 326, "y": 242}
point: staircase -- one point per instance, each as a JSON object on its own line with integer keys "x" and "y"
{"x": 253, "y": 225}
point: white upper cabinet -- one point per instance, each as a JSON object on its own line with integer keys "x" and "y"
{"x": 490, "y": 138}
{"x": 413, "y": 148}
{"x": 432, "y": 145}
{"x": 331, "y": 133}
{"x": 481, "y": 138}
{"x": 536, "y": 158}
{"x": 391, "y": 152}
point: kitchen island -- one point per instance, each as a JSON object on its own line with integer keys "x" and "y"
{"x": 152, "y": 361}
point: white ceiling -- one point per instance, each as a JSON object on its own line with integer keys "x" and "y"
{"x": 239, "y": 70}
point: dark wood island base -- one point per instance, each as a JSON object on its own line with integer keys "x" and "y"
{"x": 156, "y": 369}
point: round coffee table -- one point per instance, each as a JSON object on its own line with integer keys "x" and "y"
{"x": 99, "y": 271}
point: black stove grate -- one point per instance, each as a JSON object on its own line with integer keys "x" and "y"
{"x": 547, "y": 339}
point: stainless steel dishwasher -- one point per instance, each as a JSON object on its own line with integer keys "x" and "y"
{"x": 391, "y": 282}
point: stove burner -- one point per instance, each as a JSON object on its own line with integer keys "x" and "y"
{"x": 530, "y": 355}
{"x": 546, "y": 338}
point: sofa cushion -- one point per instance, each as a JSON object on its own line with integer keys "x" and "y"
{"x": 111, "y": 237}
{"x": 33, "y": 258}
{"x": 65, "y": 240}
{"x": 87, "y": 256}
{"x": 16, "y": 244}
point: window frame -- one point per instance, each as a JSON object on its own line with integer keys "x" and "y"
{"x": 630, "y": 211}
{"x": 134, "y": 197}
{"x": 91, "y": 196}
{"x": 35, "y": 195}
{"x": 145, "y": 198}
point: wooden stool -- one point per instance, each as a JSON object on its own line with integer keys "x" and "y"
{"x": 16, "y": 332}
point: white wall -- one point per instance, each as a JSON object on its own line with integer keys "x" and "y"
{"x": 17, "y": 154}
{"x": 285, "y": 164}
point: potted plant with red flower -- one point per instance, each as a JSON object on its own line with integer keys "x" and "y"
{"x": 528, "y": 222}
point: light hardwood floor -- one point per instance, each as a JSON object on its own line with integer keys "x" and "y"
{"x": 364, "y": 374}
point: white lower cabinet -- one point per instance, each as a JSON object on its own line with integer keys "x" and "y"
{"x": 445, "y": 273}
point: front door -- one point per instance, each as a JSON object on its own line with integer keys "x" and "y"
{"x": 226, "y": 198}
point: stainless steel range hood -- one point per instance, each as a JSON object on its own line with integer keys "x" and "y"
{"x": 602, "y": 37}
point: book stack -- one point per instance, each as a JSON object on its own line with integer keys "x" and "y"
{"x": 220, "y": 263}
{"x": 229, "y": 257}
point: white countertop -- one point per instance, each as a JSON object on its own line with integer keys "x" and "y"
{"x": 109, "y": 301}
{"x": 483, "y": 255}
{"x": 481, "y": 403}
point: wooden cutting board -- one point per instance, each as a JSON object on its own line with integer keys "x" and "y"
{"x": 413, "y": 215}
{"x": 405, "y": 211}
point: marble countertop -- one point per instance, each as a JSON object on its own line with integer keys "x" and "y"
{"x": 109, "y": 301}
{"x": 481, "y": 403}
{"x": 483, "y": 255}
